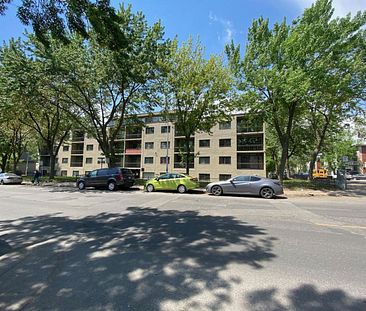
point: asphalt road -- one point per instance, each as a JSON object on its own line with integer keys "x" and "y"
{"x": 61, "y": 249}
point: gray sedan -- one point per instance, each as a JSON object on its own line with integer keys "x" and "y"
{"x": 255, "y": 185}
{"x": 10, "y": 178}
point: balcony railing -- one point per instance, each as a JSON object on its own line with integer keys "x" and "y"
{"x": 77, "y": 151}
{"x": 133, "y": 151}
{"x": 250, "y": 147}
{"x": 183, "y": 165}
{"x": 76, "y": 164}
{"x": 133, "y": 164}
{"x": 133, "y": 135}
{"x": 250, "y": 165}
{"x": 77, "y": 138}
{"x": 183, "y": 149}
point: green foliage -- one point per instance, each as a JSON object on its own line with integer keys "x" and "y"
{"x": 194, "y": 92}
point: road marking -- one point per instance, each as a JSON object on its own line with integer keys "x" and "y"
{"x": 342, "y": 226}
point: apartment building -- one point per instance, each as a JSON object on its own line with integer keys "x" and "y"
{"x": 232, "y": 148}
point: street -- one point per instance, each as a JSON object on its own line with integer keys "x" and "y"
{"x": 62, "y": 249}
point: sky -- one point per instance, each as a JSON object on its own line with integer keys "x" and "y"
{"x": 215, "y": 22}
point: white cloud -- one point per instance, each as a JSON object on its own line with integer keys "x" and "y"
{"x": 341, "y": 7}
{"x": 228, "y": 26}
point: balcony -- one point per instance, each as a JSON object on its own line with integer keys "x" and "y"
{"x": 250, "y": 165}
{"x": 182, "y": 165}
{"x": 77, "y": 151}
{"x": 133, "y": 151}
{"x": 133, "y": 135}
{"x": 76, "y": 164}
{"x": 254, "y": 147}
{"x": 133, "y": 164}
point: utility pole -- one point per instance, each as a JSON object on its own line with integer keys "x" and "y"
{"x": 167, "y": 149}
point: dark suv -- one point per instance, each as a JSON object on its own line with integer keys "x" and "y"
{"x": 112, "y": 178}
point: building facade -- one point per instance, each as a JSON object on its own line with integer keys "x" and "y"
{"x": 232, "y": 148}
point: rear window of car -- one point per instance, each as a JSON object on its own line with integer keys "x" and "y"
{"x": 126, "y": 171}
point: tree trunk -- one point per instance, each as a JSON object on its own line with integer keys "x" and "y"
{"x": 188, "y": 154}
{"x": 52, "y": 166}
{"x": 4, "y": 162}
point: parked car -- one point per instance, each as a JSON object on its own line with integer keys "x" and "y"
{"x": 111, "y": 178}
{"x": 172, "y": 181}
{"x": 244, "y": 184}
{"x": 10, "y": 178}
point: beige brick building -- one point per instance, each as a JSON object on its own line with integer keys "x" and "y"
{"x": 233, "y": 148}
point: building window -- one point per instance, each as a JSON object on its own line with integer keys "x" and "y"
{"x": 101, "y": 160}
{"x": 163, "y": 160}
{"x": 204, "y": 160}
{"x": 225, "y": 125}
{"x": 223, "y": 177}
{"x": 65, "y": 160}
{"x": 149, "y": 160}
{"x": 149, "y": 145}
{"x": 204, "y": 143}
{"x": 75, "y": 173}
{"x": 89, "y": 147}
{"x": 165, "y": 129}
{"x": 226, "y": 142}
{"x": 88, "y": 160}
{"x": 65, "y": 148}
{"x": 204, "y": 177}
{"x": 224, "y": 160}
{"x": 164, "y": 144}
{"x": 149, "y": 130}
{"x": 63, "y": 173}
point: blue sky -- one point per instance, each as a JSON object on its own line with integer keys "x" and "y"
{"x": 216, "y": 22}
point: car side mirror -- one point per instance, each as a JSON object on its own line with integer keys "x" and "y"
{"x": 87, "y": 175}
{"x": 231, "y": 180}
{"x": 157, "y": 178}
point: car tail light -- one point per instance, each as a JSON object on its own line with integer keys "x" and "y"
{"x": 119, "y": 177}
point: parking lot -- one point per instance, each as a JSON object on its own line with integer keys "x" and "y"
{"x": 62, "y": 249}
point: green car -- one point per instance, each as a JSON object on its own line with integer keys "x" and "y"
{"x": 172, "y": 181}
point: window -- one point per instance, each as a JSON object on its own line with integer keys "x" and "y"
{"x": 224, "y": 160}
{"x": 149, "y": 130}
{"x": 65, "y": 160}
{"x": 204, "y": 143}
{"x": 242, "y": 178}
{"x": 165, "y": 129}
{"x": 163, "y": 160}
{"x": 75, "y": 173}
{"x": 164, "y": 144}
{"x": 65, "y": 148}
{"x": 88, "y": 160}
{"x": 101, "y": 161}
{"x": 204, "y": 177}
{"x": 149, "y": 160}
{"x": 149, "y": 145}
{"x": 226, "y": 142}
{"x": 63, "y": 173}
{"x": 204, "y": 160}
{"x": 93, "y": 173}
{"x": 225, "y": 125}
{"x": 87, "y": 172}
{"x": 89, "y": 147}
{"x": 224, "y": 177}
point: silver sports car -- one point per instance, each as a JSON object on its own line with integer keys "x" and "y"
{"x": 10, "y": 178}
{"x": 255, "y": 185}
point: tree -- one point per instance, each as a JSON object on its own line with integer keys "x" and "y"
{"x": 31, "y": 96}
{"x": 98, "y": 87}
{"x": 316, "y": 63}
{"x": 194, "y": 92}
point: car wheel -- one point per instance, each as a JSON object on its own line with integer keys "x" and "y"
{"x": 266, "y": 193}
{"x": 216, "y": 190}
{"x": 111, "y": 186}
{"x": 182, "y": 189}
{"x": 81, "y": 185}
{"x": 150, "y": 188}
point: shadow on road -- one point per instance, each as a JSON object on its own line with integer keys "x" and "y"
{"x": 145, "y": 259}
{"x": 305, "y": 298}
